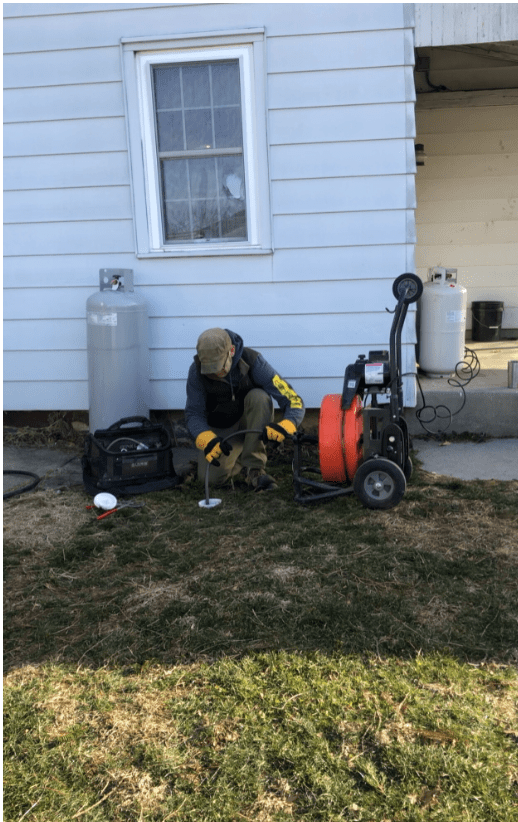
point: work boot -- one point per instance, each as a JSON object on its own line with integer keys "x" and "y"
{"x": 187, "y": 472}
{"x": 259, "y": 480}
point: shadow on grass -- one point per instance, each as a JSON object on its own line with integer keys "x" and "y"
{"x": 175, "y": 583}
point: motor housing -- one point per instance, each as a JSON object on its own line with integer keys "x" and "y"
{"x": 368, "y": 374}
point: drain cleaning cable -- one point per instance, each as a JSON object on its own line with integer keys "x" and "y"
{"x": 224, "y": 439}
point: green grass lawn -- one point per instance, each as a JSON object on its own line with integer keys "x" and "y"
{"x": 263, "y": 660}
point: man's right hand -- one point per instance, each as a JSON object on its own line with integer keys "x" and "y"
{"x": 212, "y": 446}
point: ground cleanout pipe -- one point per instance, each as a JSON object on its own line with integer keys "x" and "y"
{"x": 212, "y": 503}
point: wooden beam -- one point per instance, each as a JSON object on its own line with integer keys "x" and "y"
{"x": 463, "y": 99}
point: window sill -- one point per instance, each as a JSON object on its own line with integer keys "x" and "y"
{"x": 226, "y": 251}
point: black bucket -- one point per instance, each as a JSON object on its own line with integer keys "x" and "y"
{"x": 487, "y": 321}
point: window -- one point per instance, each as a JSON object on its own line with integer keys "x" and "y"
{"x": 201, "y": 158}
{"x": 200, "y": 150}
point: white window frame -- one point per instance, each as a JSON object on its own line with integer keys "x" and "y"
{"x": 139, "y": 56}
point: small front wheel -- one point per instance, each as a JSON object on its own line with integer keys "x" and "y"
{"x": 379, "y": 484}
{"x": 409, "y": 283}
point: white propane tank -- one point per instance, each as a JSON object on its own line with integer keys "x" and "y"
{"x": 442, "y": 316}
{"x": 118, "y": 350}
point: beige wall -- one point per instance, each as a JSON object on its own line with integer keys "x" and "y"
{"x": 467, "y": 194}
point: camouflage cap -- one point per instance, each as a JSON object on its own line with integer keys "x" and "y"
{"x": 213, "y": 348}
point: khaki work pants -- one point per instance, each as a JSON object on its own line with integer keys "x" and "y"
{"x": 248, "y": 450}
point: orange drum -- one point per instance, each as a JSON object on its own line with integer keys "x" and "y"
{"x": 353, "y": 437}
{"x": 330, "y": 439}
{"x": 339, "y": 438}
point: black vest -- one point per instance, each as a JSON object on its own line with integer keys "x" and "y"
{"x": 225, "y": 401}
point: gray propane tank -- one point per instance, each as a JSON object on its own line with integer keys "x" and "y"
{"x": 118, "y": 350}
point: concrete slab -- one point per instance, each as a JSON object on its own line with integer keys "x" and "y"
{"x": 60, "y": 468}
{"x": 487, "y": 405}
{"x": 57, "y": 468}
{"x": 495, "y": 459}
{"x": 490, "y": 412}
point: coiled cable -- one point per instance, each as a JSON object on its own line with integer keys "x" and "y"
{"x": 142, "y": 445}
{"x": 465, "y": 371}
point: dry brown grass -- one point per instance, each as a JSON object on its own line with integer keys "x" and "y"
{"x": 58, "y": 430}
{"x": 43, "y": 519}
{"x": 173, "y": 582}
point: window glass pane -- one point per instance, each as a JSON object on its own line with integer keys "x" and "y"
{"x": 174, "y": 180}
{"x": 205, "y": 218}
{"x": 198, "y": 129}
{"x": 231, "y": 176}
{"x": 233, "y": 224}
{"x": 196, "y": 88}
{"x": 225, "y": 83}
{"x": 167, "y": 87}
{"x": 177, "y": 222}
{"x": 227, "y": 127}
{"x": 170, "y": 130}
{"x": 202, "y": 176}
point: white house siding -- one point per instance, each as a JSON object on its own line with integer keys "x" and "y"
{"x": 340, "y": 128}
{"x": 467, "y": 195}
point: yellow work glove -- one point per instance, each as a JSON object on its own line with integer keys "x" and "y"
{"x": 212, "y": 446}
{"x": 277, "y": 432}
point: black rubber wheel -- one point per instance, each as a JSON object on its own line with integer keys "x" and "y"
{"x": 379, "y": 483}
{"x": 412, "y": 282}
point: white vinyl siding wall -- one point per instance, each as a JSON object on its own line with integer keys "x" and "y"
{"x": 467, "y": 195}
{"x": 339, "y": 121}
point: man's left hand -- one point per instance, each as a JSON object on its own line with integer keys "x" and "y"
{"x": 276, "y": 432}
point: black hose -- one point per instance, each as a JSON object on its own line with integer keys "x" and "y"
{"x": 29, "y": 487}
{"x": 32, "y": 485}
{"x": 465, "y": 371}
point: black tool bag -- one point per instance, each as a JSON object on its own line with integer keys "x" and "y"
{"x": 132, "y": 456}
